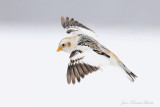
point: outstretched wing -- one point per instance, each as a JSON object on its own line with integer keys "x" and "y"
{"x": 74, "y": 27}
{"x": 79, "y": 66}
{"x": 94, "y": 45}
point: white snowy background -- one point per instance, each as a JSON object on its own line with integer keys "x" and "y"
{"x": 33, "y": 74}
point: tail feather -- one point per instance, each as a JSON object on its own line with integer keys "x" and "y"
{"x": 131, "y": 76}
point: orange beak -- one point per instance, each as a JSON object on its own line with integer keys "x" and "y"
{"x": 59, "y": 49}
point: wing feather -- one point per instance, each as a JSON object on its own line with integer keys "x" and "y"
{"x": 76, "y": 73}
{"x": 80, "y": 72}
{"x": 78, "y": 67}
{"x": 88, "y": 67}
{"x": 68, "y": 75}
{"x": 63, "y": 22}
{"x": 85, "y": 70}
{"x": 71, "y": 22}
{"x": 74, "y": 27}
{"x": 67, "y": 22}
{"x": 72, "y": 74}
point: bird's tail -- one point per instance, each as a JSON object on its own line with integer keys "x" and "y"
{"x": 131, "y": 76}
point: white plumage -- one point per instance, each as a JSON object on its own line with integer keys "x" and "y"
{"x": 86, "y": 53}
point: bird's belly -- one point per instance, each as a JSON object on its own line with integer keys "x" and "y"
{"x": 95, "y": 59}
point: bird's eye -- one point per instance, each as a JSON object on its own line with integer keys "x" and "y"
{"x": 63, "y": 44}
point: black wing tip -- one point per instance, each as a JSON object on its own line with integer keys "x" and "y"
{"x": 78, "y": 72}
{"x": 67, "y": 18}
{"x": 63, "y": 21}
{"x": 67, "y": 22}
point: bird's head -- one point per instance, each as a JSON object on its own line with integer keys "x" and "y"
{"x": 65, "y": 45}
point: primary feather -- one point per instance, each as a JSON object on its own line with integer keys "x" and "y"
{"x": 74, "y": 27}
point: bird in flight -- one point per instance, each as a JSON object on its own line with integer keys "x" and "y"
{"x": 87, "y": 55}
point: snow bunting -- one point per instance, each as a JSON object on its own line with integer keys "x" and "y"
{"x": 86, "y": 54}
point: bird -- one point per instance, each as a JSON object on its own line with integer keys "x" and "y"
{"x": 87, "y": 55}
